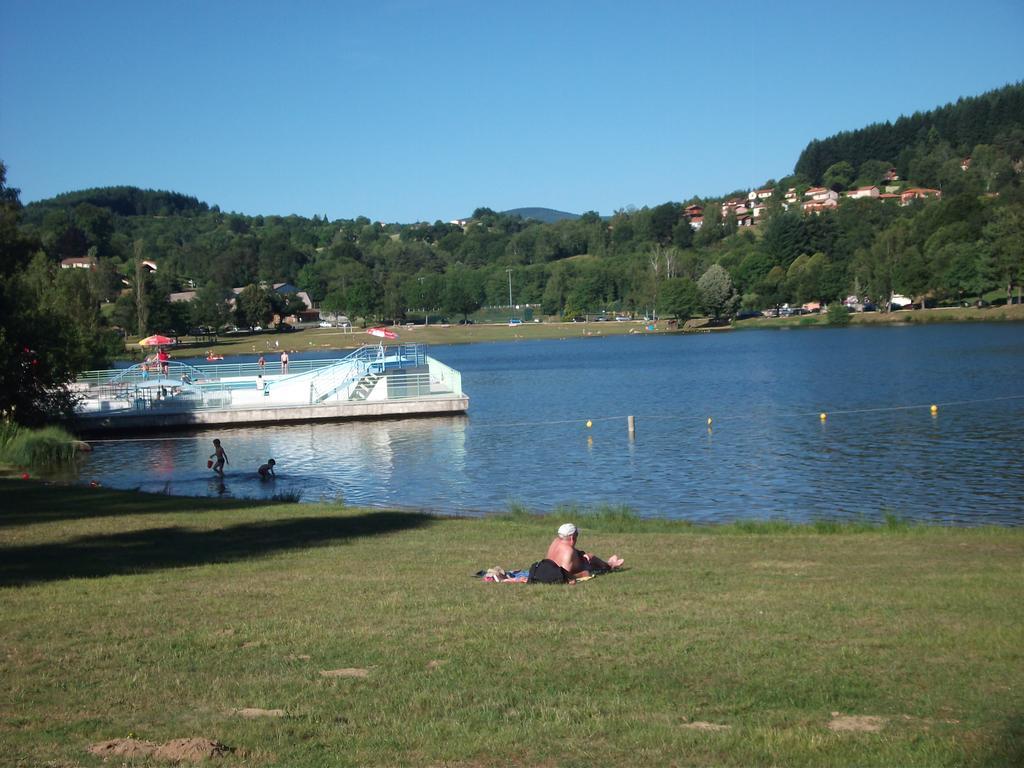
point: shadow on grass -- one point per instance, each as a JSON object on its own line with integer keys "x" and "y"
{"x": 154, "y": 549}
{"x": 1010, "y": 749}
{"x": 27, "y": 503}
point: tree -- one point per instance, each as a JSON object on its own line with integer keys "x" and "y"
{"x": 209, "y": 307}
{"x": 253, "y": 306}
{"x": 838, "y": 176}
{"x": 1005, "y": 238}
{"x": 463, "y": 290}
{"x": 871, "y": 172}
{"x": 679, "y": 298}
{"x": 48, "y": 332}
{"x": 716, "y": 292}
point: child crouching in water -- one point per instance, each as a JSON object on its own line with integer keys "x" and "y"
{"x": 266, "y": 471}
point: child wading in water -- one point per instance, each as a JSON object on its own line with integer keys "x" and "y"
{"x": 221, "y": 456}
{"x": 266, "y": 471}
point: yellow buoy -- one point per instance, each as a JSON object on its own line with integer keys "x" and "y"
{"x": 823, "y": 416}
{"x": 589, "y": 423}
{"x": 709, "y": 421}
{"x": 935, "y": 409}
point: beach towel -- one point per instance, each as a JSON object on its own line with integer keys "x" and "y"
{"x": 498, "y": 575}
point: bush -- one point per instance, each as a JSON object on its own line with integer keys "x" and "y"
{"x": 46, "y": 447}
{"x": 838, "y": 314}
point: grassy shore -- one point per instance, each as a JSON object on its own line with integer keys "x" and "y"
{"x": 1012, "y": 313}
{"x": 310, "y": 339}
{"x": 157, "y": 617}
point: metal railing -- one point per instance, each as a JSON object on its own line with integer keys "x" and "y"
{"x": 188, "y": 388}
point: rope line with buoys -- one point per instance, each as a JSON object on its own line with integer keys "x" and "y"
{"x": 710, "y": 421}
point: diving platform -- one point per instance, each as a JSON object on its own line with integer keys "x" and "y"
{"x": 373, "y": 382}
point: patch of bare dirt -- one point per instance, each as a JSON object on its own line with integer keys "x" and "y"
{"x": 253, "y": 712}
{"x": 347, "y": 672}
{"x": 700, "y": 725}
{"x": 436, "y": 663}
{"x": 192, "y": 750}
{"x": 855, "y": 723}
{"x": 298, "y": 657}
{"x": 123, "y": 748}
{"x": 252, "y": 644}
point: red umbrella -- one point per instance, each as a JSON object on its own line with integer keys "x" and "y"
{"x": 384, "y": 333}
{"x": 155, "y": 341}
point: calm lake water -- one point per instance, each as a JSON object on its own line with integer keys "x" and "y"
{"x": 767, "y": 455}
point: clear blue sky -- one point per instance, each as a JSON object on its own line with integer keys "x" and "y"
{"x": 408, "y": 110}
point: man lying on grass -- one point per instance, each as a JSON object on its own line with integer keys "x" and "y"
{"x": 575, "y": 563}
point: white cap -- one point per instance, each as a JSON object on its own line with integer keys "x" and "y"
{"x": 566, "y": 530}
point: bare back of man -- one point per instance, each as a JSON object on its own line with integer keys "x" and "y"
{"x": 575, "y": 561}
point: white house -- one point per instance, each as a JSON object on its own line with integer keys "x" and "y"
{"x": 820, "y": 194}
{"x": 860, "y": 192}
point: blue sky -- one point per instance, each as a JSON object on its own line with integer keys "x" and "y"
{"x": 408, "y": 110}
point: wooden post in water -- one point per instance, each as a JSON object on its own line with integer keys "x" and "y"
{"x": 631, "y": 423}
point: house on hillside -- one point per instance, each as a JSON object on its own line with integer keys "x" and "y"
{"x": 735, "y": 206}
{"x": 817, "y": 206}
{"x": 79, "y": 262}
{"x": 760, "y": 194}
{"x": 695, "y": 213}
{"x": 918, "y": 193}
{"x": 759, "y": 210}
{"x": 891, "y": 175}
{"x": 820, "y": 194}
{"x": 859, "y": 192}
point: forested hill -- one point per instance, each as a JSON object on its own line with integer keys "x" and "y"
{"x": 123, "y": 201}
{"x": 543, "y": 215}
{"x": 918, "y": 145}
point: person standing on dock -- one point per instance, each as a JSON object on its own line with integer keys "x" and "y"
{"x": 284, "y": 362}
{"x": 261, "y": 363}
{"x": 165, "y": 361}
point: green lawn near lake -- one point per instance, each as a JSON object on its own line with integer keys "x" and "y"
{"x": 123, "y": 614}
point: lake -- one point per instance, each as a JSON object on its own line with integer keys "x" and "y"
{"x": 767, "y": 455}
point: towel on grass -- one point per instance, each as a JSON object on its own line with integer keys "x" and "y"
{"x": 499, "y": 575}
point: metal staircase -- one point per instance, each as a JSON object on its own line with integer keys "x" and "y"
{"x": 365, "y": 386}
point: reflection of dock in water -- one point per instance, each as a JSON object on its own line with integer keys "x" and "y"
{"x": 373, "y": 382}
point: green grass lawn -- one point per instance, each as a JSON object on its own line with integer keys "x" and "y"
{"x": 739, "y": 645}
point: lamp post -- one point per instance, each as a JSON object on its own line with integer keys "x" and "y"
{"x": 509, "y": 270}
{"x": 426, "y": 312}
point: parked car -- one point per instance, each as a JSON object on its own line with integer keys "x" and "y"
{"x": 747, "y": 314}
{"x": 467, "y": 321}
{"x": 515, "y": 321}
{"x": 257, "y": 329}
{"x": 325, "y": 324}
{"x": 284, "y": 328}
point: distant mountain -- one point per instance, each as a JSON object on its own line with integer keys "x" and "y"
{"x": 543, "y": 215}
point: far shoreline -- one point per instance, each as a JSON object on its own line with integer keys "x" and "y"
{"x": 310, "y": 339}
